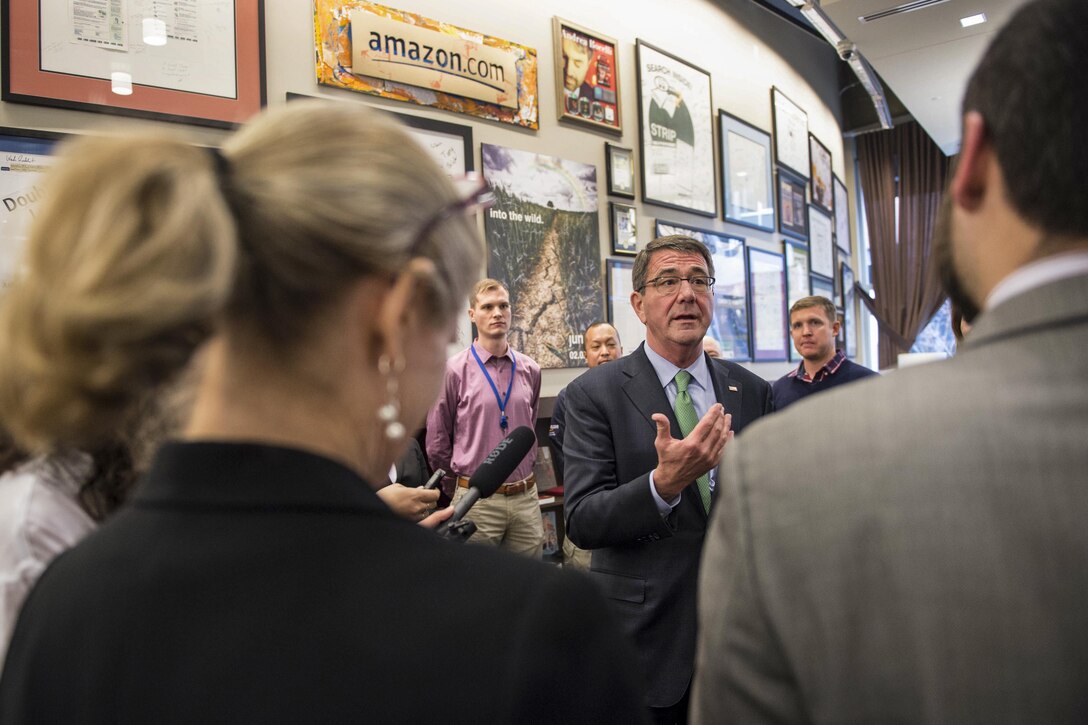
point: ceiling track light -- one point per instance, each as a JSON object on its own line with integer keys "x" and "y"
{"x": 848, "y": 51}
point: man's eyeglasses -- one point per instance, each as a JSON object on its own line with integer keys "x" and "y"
{"x": 701, "y": 284}
{"x": 475, "y": 194}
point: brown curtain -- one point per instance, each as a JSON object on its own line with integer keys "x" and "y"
{"x": 902, "y": 162}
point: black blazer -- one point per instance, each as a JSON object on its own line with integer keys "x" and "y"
{"x": 256, "y": 584}
{"x": 647, "y": 565}
{"x": 412, "y": 467}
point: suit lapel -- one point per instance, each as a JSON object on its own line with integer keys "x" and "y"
{"x": 643, "y": 389}
{"x": 726, "y": 390}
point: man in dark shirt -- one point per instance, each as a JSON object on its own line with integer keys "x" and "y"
{"x": 602, "y": 343}
{"x": 814, "y": 325}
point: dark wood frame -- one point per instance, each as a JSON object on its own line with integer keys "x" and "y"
{"x": 645, "y": 158}
{"x": 781, "y": 352}
{"x": 816, "y": 147}
{"x": 729, "y": 123}
{"x": 797, "y": 186}
{"x": 610, "y": 169}
{"x": 613, "y": 208}
{"x": 780, "y": 130}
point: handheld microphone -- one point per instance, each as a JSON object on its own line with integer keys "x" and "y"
{"x": 433, "y": 480}
{"x": 493, "y": 472}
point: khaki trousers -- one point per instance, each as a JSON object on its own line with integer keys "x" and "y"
{"x": 512, "y": 522}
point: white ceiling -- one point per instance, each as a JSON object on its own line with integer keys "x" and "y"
{"x": 924, "y": 56}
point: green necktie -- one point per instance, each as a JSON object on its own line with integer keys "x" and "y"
{"x": 686, "y": 417}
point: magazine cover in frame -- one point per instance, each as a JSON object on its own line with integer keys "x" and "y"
{"x": 587, "y": 82}
{"x": 729, "y": 325}
{"x": 543, "y": 243}
{"x": 675, "y": 132}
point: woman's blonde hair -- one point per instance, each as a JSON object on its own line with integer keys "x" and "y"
{"x": 142, "y": 245}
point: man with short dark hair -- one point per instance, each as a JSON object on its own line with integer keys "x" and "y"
{"x": 814, "y": 327}
{"x": 644, "y": 436}
{"x": 489, "y": 391}
{"x": 923, "y": 559}
{"x": 602, "y": 344}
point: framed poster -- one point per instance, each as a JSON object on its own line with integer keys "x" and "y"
{"x": 729, "y": 323}
{"x": 93, "y": 56}
{"x": 797, "y": 271}
{"x": 621, "y": 314}
{"x": 842, "y": 216}
{"x": 620, "y": 168}
{"x": 792, "y": 210}
{"x": 543, "y": 243}
{"x": 676, "y": 137}
{"x": 823, "y": 287}
{"x": 587, "y": 80}
{"x": 747, "y": 180}
{"x": 449, "y": 144}
{"x": 25, "y": 156}
{"x": 767, "y": 280}
{"x": 623, "y": 224}
{"x": 821, "y": 178}
{"x": 821, "y": 247}
{"x": 369, "y": 48}
{"x": 849, "y": 319}
{"x": 790, "y": 134}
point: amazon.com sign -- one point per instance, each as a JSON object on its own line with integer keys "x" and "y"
{"x": 389, "y": 49}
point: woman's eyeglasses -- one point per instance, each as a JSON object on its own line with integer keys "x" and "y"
{"x": 475, "y": 195}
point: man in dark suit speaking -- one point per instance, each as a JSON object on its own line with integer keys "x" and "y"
{"x": 644, "y": 436}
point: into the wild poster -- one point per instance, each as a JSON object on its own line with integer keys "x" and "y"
{"x": 543, "y": 244}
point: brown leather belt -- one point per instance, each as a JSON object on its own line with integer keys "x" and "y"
{"x": 507, "y": 489}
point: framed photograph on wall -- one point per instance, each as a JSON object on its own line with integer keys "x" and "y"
{"x": 676, "y": 135}
{"x": 821, "y": 178}
{"x": 823, "y": 286}
{"x": 25, "y": 156}
{"x": 450, "y": 144}
{"x": 623, "y": 222}
{"x": 821, "y": 246}
{"x": 792, "y": 209}
{"x": 849, "y": 308}
{"x": 797, "y": 271}
{"x": 587, "y": 76}
{"x": 620, "y": 167}
{"x": 767, "y": 280}
{"x": 620, "y": 313}
{"x": 729, "y": 323}
{"x": 790, "y": 134}
{"x": 798, "y": 284}
{"x": 208, "y": 71}
{"x": 747, "y": 177}
{"x": 842, "y": 216}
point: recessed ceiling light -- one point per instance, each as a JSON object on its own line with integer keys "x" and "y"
{"x": 973, "y": 20}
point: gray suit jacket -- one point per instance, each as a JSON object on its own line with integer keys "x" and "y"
{"x": 926, "y": 560}
{"x": 647, "y": 565}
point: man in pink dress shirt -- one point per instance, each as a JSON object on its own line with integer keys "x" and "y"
{"x": 489, "y": 391}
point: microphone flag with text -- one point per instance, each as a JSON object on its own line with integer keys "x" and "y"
{"x": 491, "y": 474}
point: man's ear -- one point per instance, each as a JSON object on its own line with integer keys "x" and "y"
{"x": 835, "y": 327}
{"x": 636, "y": 303}
{"x": 969, "y": 179}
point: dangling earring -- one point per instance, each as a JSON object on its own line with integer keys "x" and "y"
{"x": 389, "y": 414}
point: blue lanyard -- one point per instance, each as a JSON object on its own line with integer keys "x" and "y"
{"x": 503, "y": 400}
